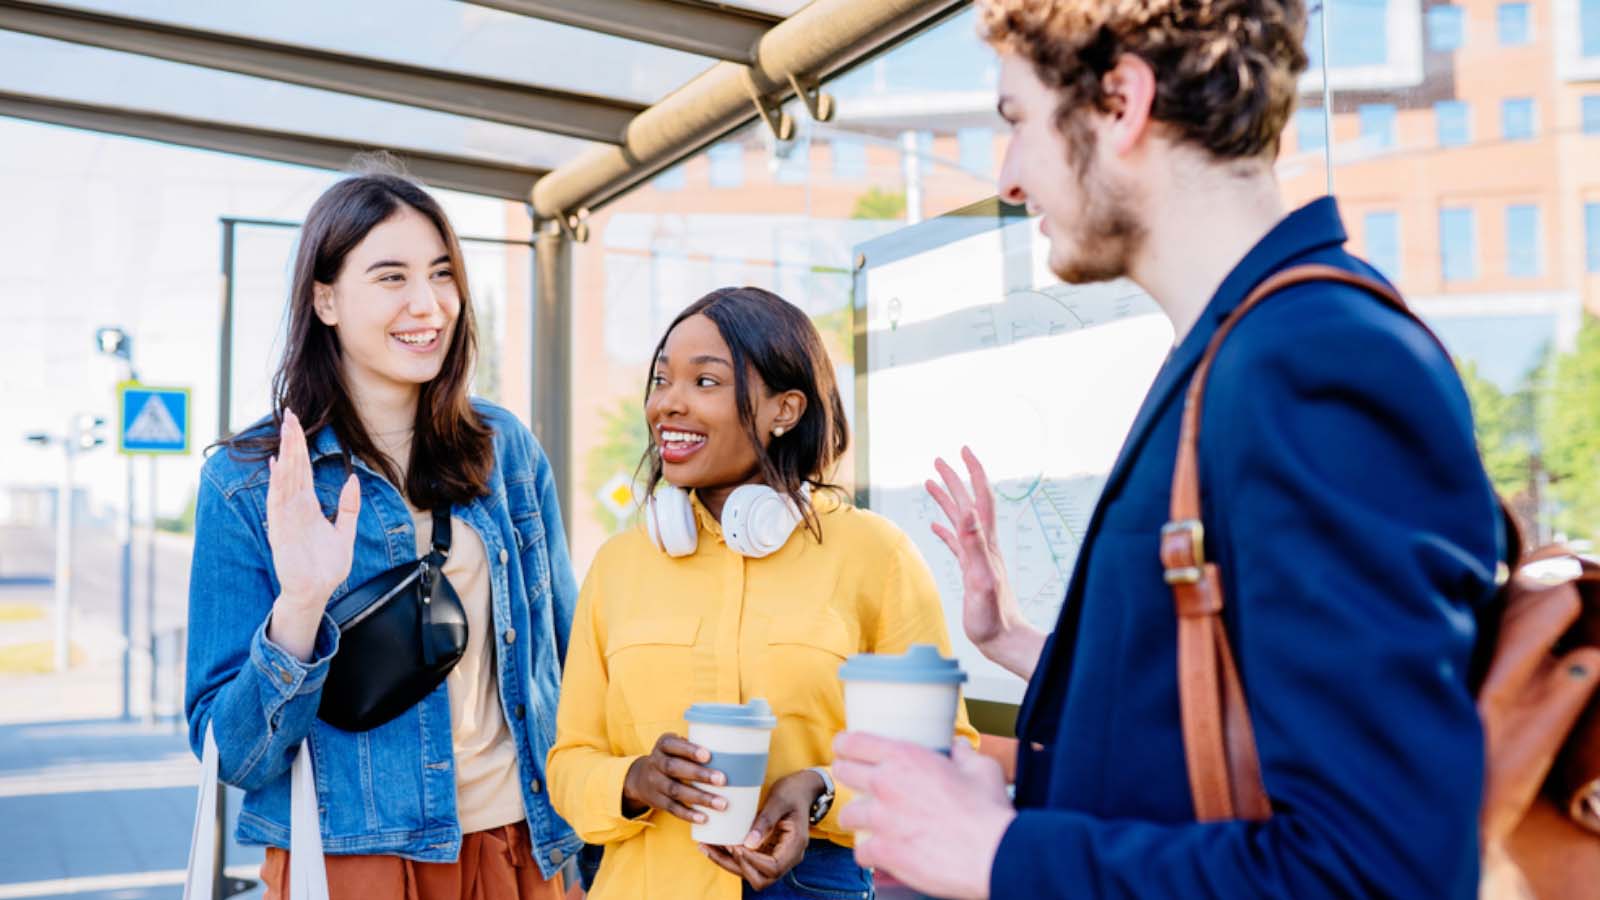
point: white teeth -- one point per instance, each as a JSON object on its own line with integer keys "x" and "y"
{"x": 417, "y": 338}
{"x": 681, "y": 437}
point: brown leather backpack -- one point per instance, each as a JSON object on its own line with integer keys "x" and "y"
{"x": 1540, "y": 818}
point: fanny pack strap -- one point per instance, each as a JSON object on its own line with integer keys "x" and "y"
{"x": 441, "y": 532}
{"x": 308, "y": 877}
{"x": 434, "y": 645}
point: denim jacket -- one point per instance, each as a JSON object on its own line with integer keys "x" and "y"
{"x": 390, "y": 790}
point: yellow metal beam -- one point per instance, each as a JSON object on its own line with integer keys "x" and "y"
{"x": 818, "y": 41}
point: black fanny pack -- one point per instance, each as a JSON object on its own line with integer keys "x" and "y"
{"x": 400, "y": 634}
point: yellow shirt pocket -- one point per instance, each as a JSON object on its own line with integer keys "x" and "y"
{"x": 804, "y": 653}
{"x": 650, "y": 669}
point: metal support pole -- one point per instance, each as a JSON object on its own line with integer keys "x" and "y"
{"x": 1327, "y": 97}
{"x": 219, "y": 850}
{"x": 63, "y": 575}
{"x": 126, "y": 529}
{"x": 150, "y": 600}
{"x": 911, "y": 167}
{"x": 552, "y": 355}
{"x": 225, "y": 337}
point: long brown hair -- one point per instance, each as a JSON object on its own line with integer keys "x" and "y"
{"x": 773, "y": 338}
{"x": 451, "y": 447}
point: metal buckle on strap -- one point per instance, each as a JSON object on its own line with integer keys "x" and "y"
{"x": 1196, "y": 532}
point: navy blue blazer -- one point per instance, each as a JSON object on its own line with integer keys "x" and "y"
{"x": 1357, "y": 535}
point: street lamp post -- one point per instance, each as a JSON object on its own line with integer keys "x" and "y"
{"x": 116, "y": 343}
{"x": 83, "y": 433}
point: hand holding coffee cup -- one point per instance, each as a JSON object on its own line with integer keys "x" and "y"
{"x": 737, "y": 736}
{"x": 911, "y": 697}
{"x": 668, "y": 779}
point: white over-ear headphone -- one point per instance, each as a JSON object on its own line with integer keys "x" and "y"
{"x": 756, "y": 520}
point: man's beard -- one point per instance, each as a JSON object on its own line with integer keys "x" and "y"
{"x": 1106, "y": 233}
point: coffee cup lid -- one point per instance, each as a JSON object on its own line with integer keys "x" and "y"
{"x": 755, "y": 714}
{"x": 920, "y": 664}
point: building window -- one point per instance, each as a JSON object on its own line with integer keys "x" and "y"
{"x": 1458, "y": 244}
{"x": 1516, "y": 118}
{"x": 1522, "y": 240}
{"x": 1360, "y": 35}
{"x": 1310, "y": 130}
{"x": 1453, "y": 123}
{"x": 1383, "y": 242}
{"x": 1445, "y": 28}
{"x": 1512, "y": 22}
{"x": 849, "y": 159}
{"x": 1589, "y": 26}
{"x": 976, "y": 148}
{"x": 1591, "y": 114}
{"x": 1377, "y": 123}
{"x": 669, "y": 180}
{"x": 727, "y": 165}
{"x": 1591, "y": 222}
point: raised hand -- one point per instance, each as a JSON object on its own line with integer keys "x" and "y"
{"x": 310, "y": 554}
{"x": 990, "y": 615}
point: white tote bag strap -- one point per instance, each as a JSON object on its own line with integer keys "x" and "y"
{"x": 202, "y": 878}
{"x": 308, "y": 878}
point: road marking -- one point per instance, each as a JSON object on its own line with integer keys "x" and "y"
{"x": 180, "y": 770}
{"x": 124, "y": 881}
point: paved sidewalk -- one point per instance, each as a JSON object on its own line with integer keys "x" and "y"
{"x": 100, "y": 809}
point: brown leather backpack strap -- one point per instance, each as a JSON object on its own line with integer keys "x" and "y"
{"x": 1219, "y": 744}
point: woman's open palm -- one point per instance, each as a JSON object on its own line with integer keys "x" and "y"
{"x": 310, "y": 554}
{"x": 988, "y": 608}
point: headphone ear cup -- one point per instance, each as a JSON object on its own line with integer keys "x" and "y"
{"x": 757, "y": 520}
{"x": 669, "y": 518}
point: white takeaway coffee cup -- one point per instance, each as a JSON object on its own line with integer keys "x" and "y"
{"x": 738, "y": 736}
{"x": 910, "y": 697}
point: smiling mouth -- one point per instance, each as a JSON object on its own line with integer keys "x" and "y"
{"x": 421, "y": 340}
{"x": 678, "y": 445}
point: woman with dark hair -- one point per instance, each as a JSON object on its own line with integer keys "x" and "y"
{"x": 750, "y": 578}
{"x": 372, "y": 433}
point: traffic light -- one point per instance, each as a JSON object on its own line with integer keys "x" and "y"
{"x": 91, "y": 431}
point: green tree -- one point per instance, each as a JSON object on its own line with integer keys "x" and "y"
{"x": 1505, "y": 430}
{"x": 1569, "y": 427}
{"x": 880, "y": 204}
{"x": 183, "y": 522}
{"x": 626, "y": 437}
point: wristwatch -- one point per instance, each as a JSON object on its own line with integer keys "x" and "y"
{"x": 824, "y": 801}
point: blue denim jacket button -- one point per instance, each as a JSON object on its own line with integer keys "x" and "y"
{"x": 556, "y": 856}
{"x": 511, "y": 635}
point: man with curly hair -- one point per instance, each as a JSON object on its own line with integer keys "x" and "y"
{"x": 1344, "y": 503}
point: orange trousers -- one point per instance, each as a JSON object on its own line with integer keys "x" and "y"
{"x": 496, "y": 864}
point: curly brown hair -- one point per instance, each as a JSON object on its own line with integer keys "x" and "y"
{"x": 1226, "y": 70}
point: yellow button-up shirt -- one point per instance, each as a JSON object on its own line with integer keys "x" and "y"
{"x": 653, "y": 634}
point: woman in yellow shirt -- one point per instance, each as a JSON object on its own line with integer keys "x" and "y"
{"x": 679, "y": 612}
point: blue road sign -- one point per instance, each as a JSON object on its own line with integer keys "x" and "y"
{"x": 152, "y": 419}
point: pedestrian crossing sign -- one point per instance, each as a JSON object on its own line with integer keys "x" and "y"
{"x": 152, "y": 419}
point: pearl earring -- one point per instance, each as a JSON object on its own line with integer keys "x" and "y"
{"x": 778, "y": 431}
